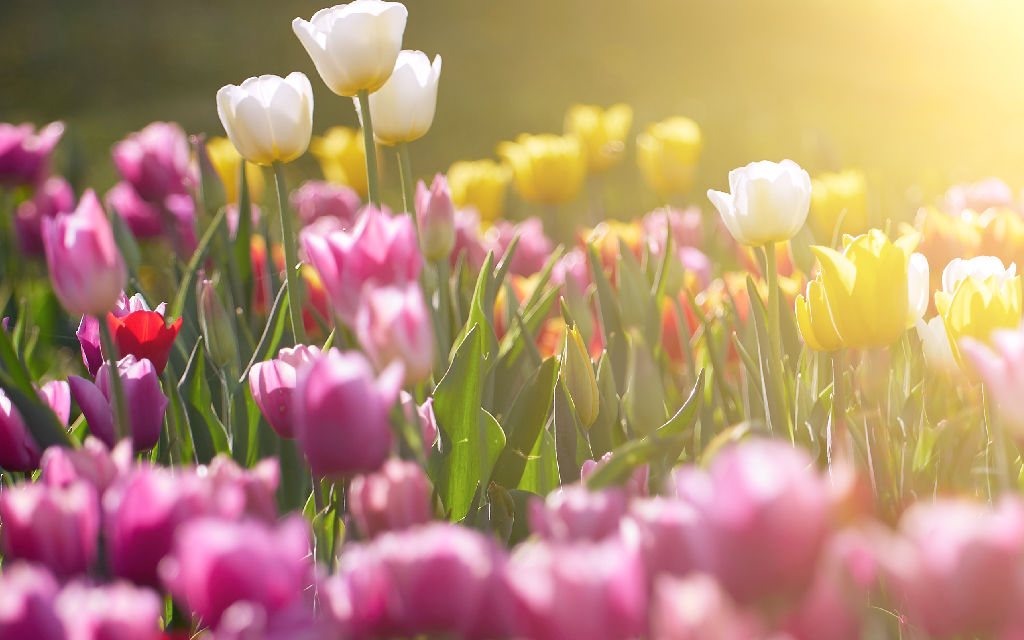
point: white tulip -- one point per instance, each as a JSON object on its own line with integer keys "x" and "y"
{"x": 403, "y": 109}
{"x": 935, "y": 344}
{"x": 268, "y": 118}
{"x": 768, "y": 202}
{"x": 354, "y": 46}
{"x": 982, "y": 268}
{"x": 918, "y": 287}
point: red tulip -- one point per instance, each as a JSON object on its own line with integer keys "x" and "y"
{"x": 145, "y": 335}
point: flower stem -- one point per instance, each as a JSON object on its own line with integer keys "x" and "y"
{"x": 288, "y": 240}
{"x": 998, "y": 438}
{"x": 838, "y": 433}
{"x": 775, "y": 367}
{"x": 121, "y": 427}
{"x": 405, "y": 170}
{"x": 444, "y": 306}
{"x": 372, "y": 184}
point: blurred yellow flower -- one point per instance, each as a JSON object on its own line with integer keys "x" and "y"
{"x": 812, "y": 314}
{"x": 834, "y": 193}
{"x": 603, "y": 132}
{"x": 548, "y": 169}
{"x": 342, "y": 157}
{"x": 667, "y": 152}
{"x": 481, "y": 184}
{"x": 978, "y": 307}
{"x": 866, "y": 288}
{"x": 225, "y": 159}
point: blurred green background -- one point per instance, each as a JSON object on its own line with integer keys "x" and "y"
{"x": 920, "y": 93}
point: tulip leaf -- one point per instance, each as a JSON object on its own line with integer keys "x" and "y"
{"x": 771, "y": 389}
{"x": 601, "y": 441}
{"x": 240, "y": 243}
{"x": 126, "y": 243}
{"x": 14, "y": 366}
{"x": 566, "y": 435}
{"x": 39, "y": 418}
{"x": 478, "y": 316}
{"x": 193, "y": 265}
{"x": 524, "y": 424}
{"x": 540, "y": 475}
{"x": 634, "y": 289}
{"x": 608, "y": 303}
{"x": 214, "y": 435}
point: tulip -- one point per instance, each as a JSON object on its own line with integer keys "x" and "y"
{"x": 979, "y": 197}
{"x": 1001, "y": 234}
{"x": 24, "y": 154}
{"x": 603, "y": 132}
{"x": 978, "y": 297}
{"x": 578, "y": 376}
{"x": 315, "y": 200}
{"x": 468, "y": 239}
{"x": 667, "y": 152}
{"x": 144, "y": 334}
{"x": 57, "y": 395}
{"x": 815, "y": 320}
{"x": 645, "y": 394}
{"x": 86, "y": 269}
{"x": 246, "y": 620}
{"x": 534, "y": 246}
{"x": 239, "y": 492}
{"x": 979, "y": 268}
{"x": 89, "y": 330}
{"x": 548, "y": 169}
{"x": 54, "y": 526}
{"x": 272, "y": 383}
{"x": 60, "y": 466}
{"x": 226, "y": 161}
{"x": 396, "y": 497}
{"x": 393, "y": 325}
{"x": 767, "y": 203}
{"x": 342, "y": 156}
{"x": 919, "y": 288}
{"x": 574, "y": 513}
{"x": 480, "y": 184}
{"x": 635, "y": 486}
{"x": 698, "y": 609}
{"x": 145, "y": 402}
{"x": 215, "y": 563}
{"x": 866, "y": 288}
{"x": 341, "y": 413}
{"x": 354, "y": 46}
{"x": 435, "y": 216}
{"x": 142, "y": 218}
{"x": 1002, "y": 371}
{"x": 268, "y": 118}
{"x": 27, "y": 593}
{"x": 141, "y": 512}
{"x": 379, "y": 248}
{"x": 668, "y": 535}
{"x": 50, "y": 198}
{"x": 216, "y": 325}
{"x": 117, "y": 611}
{"x": 18, "y": 449}
{"x": 156, "y": 161}
{"x": 423, "y": 416}
{"x": 835, "y": 195}
{"x": 402, "y": 110}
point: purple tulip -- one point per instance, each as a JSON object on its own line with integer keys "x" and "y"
{"x": 317, "y": 199}
{"x": 239, "y": 492}
{"x": 396, "y": 497}
{"x": 378, "y": 248}
{"x": 27, "y": 594}
{"x": 469, "y": 238}
{"x": 156, "y": 161}
{"x": 341, "y": 413}
{"x": 50, "y": 198}
{"x": 435, "y": 215}
{"x": 86, "y": 269}
{"x": 533, "y": 250}
{"x": 18, "y": 449}
{"x": 142, "y": 510}
{"x": 24, "y": 154}
{"x": 575, "y": 513}
{"x": 118, "y": 611}
{"x": 667, "y": 530}
{"x": 423, "y": 415}
{"x": 697, "y": 608}
{"x": 93, "y": 462}
{"x": 55, "y": 526}
{"x": 272, "y": 383}
{"x": 393, "y": 325}
{"x": 216, "y": 563}
{"x": 146, "y": 402}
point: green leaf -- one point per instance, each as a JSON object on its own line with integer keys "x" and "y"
{"x": 200, "y": 399}
{"x": 608, "y": 303}
{"x": 608, "y": 414}
{"x": 126, "y": 243}
{"x": 566, "y": 434}
{"x": 771, "y": 392}
{"x": 266, "y": 345}
{"x": 40, "y": 420}
{"x": 478, "y": 316}
{"x": 634, "y": 289}
{"x": 197, "y": 257}
{"x": 240, "y": 243}
{"x": 524, "y": 424}
{"x": 540, "y": 475}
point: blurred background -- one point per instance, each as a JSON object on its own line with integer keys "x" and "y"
{"x": 921, "y": 94}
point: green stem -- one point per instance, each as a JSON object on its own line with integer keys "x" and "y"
{"x": 122, "y": 429}
{"x": 444, "y": 309}
{"x": 372, "y": 184}
{"x": 288, "y": 240}
{"x": 775, "y": 367}
{"x": 318, "y": 493}
{"x": 998, "y": 438}
{"x": 405, "y": 170}
{"x": 838, "y": 433}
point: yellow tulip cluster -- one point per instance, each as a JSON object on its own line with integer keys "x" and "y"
{"x": 667, "y": 153}
{"x": 342, "y": 156}
{"x": 602, "y": 132}
{"x": 548, "y": 169}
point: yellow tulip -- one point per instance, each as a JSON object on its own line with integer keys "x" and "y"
{"x": 342, "y": 156}
{"x": 548, "y": 169}
{"x": 667, "y": 152}
{"x": 815, "y": 320}
{"x": 225, "y": 159}
{"x": 866, "y": 288}
{"x": 978, "y": 307}
{"x": 480, "y": 184}
{"x": 602, "y": 132}
{"x": 834, "y": 193}
{"x": 578, "y": 376}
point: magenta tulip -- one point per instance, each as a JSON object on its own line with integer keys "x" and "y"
{"x": 393, "y": 325}
{"x": 86, "y": 269}
{"x": 18, "y": 449}
{"x": 239, "y": 492}
{"x": 50, "y": 198}
{"x": 341, "y": 413}
{"x": 272, "y": 384}
{"x": 156, "y": 161}
{"x": 27, "y": 594}
{"x": 55, "y": 526}
{"x": 668, "y": 532}
{"x": 378, "y": 248}
{"x": 469, "y": 239}
{"x": 423, "y": 415}
{"x": 142, "y": 217}
{"x": 575, "y": 513}
{"x": 317, "y": 199}
{"x": 246, "y": 620}
{"x": 25, "y": 154}
{"x": 396, "y": 497}
{"x": 697, "y": 608}
{"x": 533, "y": 250}
{"x": 93, "y": 462}
{"x": 118, "y": 611}
{"x": 435, "y": 215}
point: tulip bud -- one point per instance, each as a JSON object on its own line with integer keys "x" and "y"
{"x": 669, "y": 535}
{"x": 645, "y": 395}
{"x": 403, "y": 109}
{"x": 421, "y": 415}
{"x": 93, "y": 463}
{"x": 667, "y": 153}
{"x": 273, "y": 385}
{"x": 24, "y": 154}
{"x": 86, "y": 268}
{"x": 216, "y": 325}
{"x": 393, "y": 325}
{"x": 239, "y": 492}
{"x": 534, "y": 246}
{"x": 396, "y": 497}
{"x": 768, "y": 202}
{"x": 815, "y": 320}
{"x": 118, "y": 611}
{"x": 268, "y": 118}
{"x": 579, "y": 379}
{"x": 548, "y": 169}
{"x": 435, "y": 215}
{"x": 27, "y": 593}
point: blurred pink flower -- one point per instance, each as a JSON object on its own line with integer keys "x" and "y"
{"x": 396, "y": 497}
{"x": 50, "y": 198}
{"x": 93, "y": 462}
{"x": 423, "y": 415}
{"x": 697, "y": 608}
{"x": 687, "y": 228}
{"x": 469, "y": 238}
{"x": 117, "y": 611}
{"x": 533, "y": 250}
{"x": 156, "y": 161}
{"x": 27, "y": 594}
{"x": 317, "y": 199}
{"x": 574, "y": 512}
{"x": 25, "y": 154}
{"x": 979, "y": 196}
{"x": 667, "y": 528}
{"x": 435, "y": 216}
{"x": 393, "y": 325}
{"x": 245, "y": 493}
{"x": 1002, "y": 371}
{"x": 272, "y": 383}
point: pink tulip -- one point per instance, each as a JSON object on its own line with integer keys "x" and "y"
{"x": 979, "y": 196}
{"x": 246, "y": 620}
{"x": 93, "y": 463}
{"x": 118, "y": 611}
{"x": 272, "y": 383}
{"x": 1002, "y": 371}
{"x": 356, "y": 597}
{"x": 435, "y": 215}
{"x": 24, "y": 154}
{"x": 668, "y": 531}
{"x": 239, "y": 492}
{"x": 156, "y": 161}
{"x": 469, "y": 239}
{"x": 18, "y": 449}
{"x": 533, "y": 250}
{"x": 142, "y": 217}
{"x": 396, "y": 497}
{"x": 423, "y": 415}
{"x": 341, "y": 413}
{"x": 636, "y": 484}
{"x": 378, "y": 248}
{"x": 216, "y": 563}
{"x": 50, "y": 198}
{"x": 571, "y": 270}
{"x": 576, "y": 513}
{"x": 57, "y": 395}
{"x": 687, "y": 228}
{"x": 393, "y": 325}
{"x": 86, "y": 269}
{"x": 55, "y": 526}
{"x": 27, "y": 594}
{"x": 317, "y": 199}
{"x": 697, "y": 608}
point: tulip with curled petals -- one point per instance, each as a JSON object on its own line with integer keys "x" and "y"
{"x": 547, "y": 169}
{"x": 667, "y": 153}
{"x": 602, "y": 131}
{"x": 50, "y": 198}
{"x": 272, "y": 383}
{"x": 396, "y": 497}
{"x": 403, "y": 109}
{"x": 27, "y": 594}
{"x": 268, "y": 119}
{"x": 767, "y": 202}
{"x": 480, "y": 184}
{"x": 25, "y": 153}
{"x": 393, "y": 325}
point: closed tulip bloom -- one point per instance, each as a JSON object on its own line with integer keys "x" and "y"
{"x": 815, "y": 320}
{"x": 396, "y": 497}
{"x": 226, "y": 161}
{"x": 316, "y": 199}
{"x": 216, "y": 325}
{"x": 393, "y": 325}
{"x": 27, "y": 594}
{"x": 645, "y": 394}
{"x": 938, "y": 353}
{"x": 548, "y": 169}
{"x": 573, "y": 513}
{"x": 577, "y": 374}
{"x": 54, "y": 526}
{"x": 423, "y": 416}
{"x": 919, "y": 288}
{"x": 469, "y": 239}
{"x": 480, "y": 184}
{"x": 268, "y": 118}
{"x": 667, "y": 153}
{"x": 57, "y": 395}
{"x": 603, "y": 132}
{"x": 18, "y": 449}
{"x": 435, "y": 215}
{"x": 86, "y": 268}
{"x": 768, "y": 202}
{"x": 668, "y": 532}
{"x": 403, "y": 109}
{"x": 839, "y": 194}
{"x": 156, "y": 161}
{"x": 866, "y": 287}
{"x": 978, "y": 297}
{"x": 272, "y": 383}
{"x": 117, "y": 611}
{"x": 50, "y": 198}
{"x": 1002, "y": 370}
{"x": 341, "y": 413}
{"x": 979, "y": 268}
{"x": 25, "y": 154}
{"x": 142, "y": 218}
{"x": 341, "y": 153}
